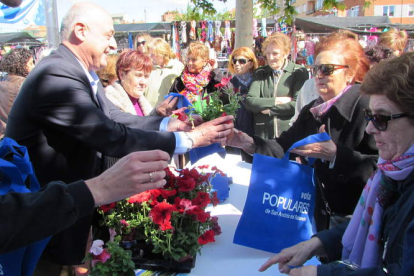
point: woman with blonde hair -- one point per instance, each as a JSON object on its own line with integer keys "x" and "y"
{"x": 166, "y": 69}
{"x": 198, "y": 77}
{"x": 107, "y": 75}
{"x": 272, "y": 95}
{"x": 395, "y": 40}
{"x": 242, "y": 63}
{"x": 141, "y": 42}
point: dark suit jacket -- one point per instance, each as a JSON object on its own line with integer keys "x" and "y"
{"x": 56, "y": 116}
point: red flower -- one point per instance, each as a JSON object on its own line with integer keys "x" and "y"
{"x": 225, "y": 114}
{"x": 207, "y": 237}
{"x": 215, "y": 199}
{"x": 184, "y": 205}
{"x": 223, "y": 82}
{"x": 216, "y": 227}
{"x": 200, "y": 214}
{"x": 202, "y": 199}
{"x": 167, "y": 193}
{"x": 203, "y": 167}
{"x": 124, "y": 222}
{"x": 185, "y": 184}
{"x": 105, "y": 208}
{"x": 218, "y": 171}
{"x": 146, "y": 196}
{"x": 180, "y": 113}
{"x": 161, "y": 215}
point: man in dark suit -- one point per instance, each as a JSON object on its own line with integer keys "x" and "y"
{"x": 62, "y": 118}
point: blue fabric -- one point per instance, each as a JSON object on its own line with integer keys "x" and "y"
{"x": 130, "y": 41}
{"x": 17, "y": 175}
{"x": 221, "y": 186}
{"x": 198, "y": 153}
{"x": 278, "y": 212}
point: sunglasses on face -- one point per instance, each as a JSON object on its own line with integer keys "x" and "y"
{"x": 326, "y": 69}
{"x": 240, "y": 61}
{"x": 380, "y": 122}
{"x": 140, "y": 42}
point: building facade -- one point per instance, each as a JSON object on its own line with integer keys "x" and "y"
{"x": 399, "y": 11}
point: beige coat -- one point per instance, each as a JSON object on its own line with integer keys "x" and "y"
{"x": 119, "y": 97}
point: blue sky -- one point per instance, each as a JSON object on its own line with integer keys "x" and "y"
{"x": 135, "y": 8}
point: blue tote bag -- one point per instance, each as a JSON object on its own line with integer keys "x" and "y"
{"x": 278, "y": 212}
{"x": 16, "y": 175}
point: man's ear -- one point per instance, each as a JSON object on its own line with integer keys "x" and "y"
{"x": 79, "y": 31}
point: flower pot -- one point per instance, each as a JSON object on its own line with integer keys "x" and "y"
{"x": 143, "y": 258}
{"x": 159, "y": 264}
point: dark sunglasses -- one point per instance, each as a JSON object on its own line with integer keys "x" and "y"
{"x": 140, "y": 42}
{"x": 380, "y": 122}
{"x": 241, "y": 61}
{"x": 327, "y": 69}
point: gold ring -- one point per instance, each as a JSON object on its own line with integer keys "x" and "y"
{"x": 151, "y": 179}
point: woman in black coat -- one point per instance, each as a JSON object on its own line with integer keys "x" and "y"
{"x": 345, "y": 162}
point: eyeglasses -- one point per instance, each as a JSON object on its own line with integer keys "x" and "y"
{"x": 140, "y": 42}
{"x": 326, "y": 69}
{"x": 380, "y": 122}
{"x": 241, "y": 61}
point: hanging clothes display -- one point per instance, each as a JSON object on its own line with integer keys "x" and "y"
{"x": 210, "y": 34}
{"x": 183, "y": 32}
{"x": 203, "y": 37}
{"x": 264, "y": 25}
{"x": 192, "y": 34}
{"x": 255, "y": 32}
{"x": 227, "y": 31}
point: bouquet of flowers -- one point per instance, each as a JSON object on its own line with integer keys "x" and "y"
{"x": 171, "y": 221}
{"x": 224, "y": 101}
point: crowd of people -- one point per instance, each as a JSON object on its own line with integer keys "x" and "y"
{"x": 84, "y": 113}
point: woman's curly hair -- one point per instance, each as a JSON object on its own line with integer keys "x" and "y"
{"x": 15, "y": 62}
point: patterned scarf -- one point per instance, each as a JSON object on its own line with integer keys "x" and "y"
{"x": 194, "y": 83}
{"x": 320, "y": 108}
{"x": 245, "y": 79}
{"x": 362, "y": 239}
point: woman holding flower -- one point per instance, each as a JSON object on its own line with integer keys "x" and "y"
{"x": 198, "y": 77}
{"x": 272, "y": 95}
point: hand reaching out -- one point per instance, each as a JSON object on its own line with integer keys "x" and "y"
{"x": 322, "y": 150}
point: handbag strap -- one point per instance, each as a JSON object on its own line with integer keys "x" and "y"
{"x": 315, "y": 138}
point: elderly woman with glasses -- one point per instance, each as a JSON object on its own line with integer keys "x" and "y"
{"x": 379, "y": 239}
{"x": 345, "y": 162}
{"x": 272, "y": 95}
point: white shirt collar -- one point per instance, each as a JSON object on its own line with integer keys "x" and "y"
{"x": 92, "y": 77}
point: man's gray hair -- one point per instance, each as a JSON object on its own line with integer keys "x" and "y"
{"x": 81, "y": 12}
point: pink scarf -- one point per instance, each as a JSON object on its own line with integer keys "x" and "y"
{"x": 362, "y": 239}
{"x": 194, "y": 83}
{"x": 321, "y": 108}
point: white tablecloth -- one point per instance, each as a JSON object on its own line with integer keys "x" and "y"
{"x": 223, "y": 257}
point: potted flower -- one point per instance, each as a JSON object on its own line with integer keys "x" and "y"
{"x": 112, "y": 260}
{"x": 166, "y": 228}
{"x": 224, "y": 101}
